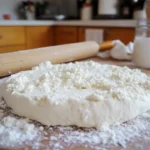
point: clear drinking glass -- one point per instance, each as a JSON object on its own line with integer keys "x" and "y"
{"x": 141, "y": 54}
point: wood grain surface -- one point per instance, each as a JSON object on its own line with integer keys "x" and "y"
{"x": 12, "y": 36}
{"x": 123, "y": 34}
{"x": 7, "y": 49}
{"x": 39, "y": 36}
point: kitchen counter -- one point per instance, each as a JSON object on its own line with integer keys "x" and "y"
{"x": 106, "y": 23}
{"x": 26, "y": 23}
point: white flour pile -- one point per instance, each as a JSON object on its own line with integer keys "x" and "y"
{"x": 75, "y": 94}
{"x": 85, "y": 94}
{"x": 15, "y": 131}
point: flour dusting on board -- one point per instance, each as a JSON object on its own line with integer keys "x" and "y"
{"x": 19, "y": 132}
{"x": 16, "y": 131}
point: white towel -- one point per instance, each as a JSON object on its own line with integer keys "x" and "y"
{"x": 119, "y": 51}
{"x": 96, "y": 35}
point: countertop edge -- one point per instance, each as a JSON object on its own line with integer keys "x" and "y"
{"x": 106, "y": 23}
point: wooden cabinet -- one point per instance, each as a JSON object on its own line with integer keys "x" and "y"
{"x": 21, "y": 38}
{"x": 12, "y": 39}
{"x": 81, "y": 34}
{"x": 126, "y": 35}
{"x": 12, "y": 36}
{"x": 7, "y": 49}
{"x": 65, "y": 34}
{"x": 17, "y": 38}
{"x": 39, "y": 36}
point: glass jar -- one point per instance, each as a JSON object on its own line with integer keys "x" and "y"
{"x": 141, "y": 54}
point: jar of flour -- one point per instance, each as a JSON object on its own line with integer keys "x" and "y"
{"x": 141, "y": 54}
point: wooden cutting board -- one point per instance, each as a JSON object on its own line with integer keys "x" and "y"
{"x": 145, "y": 144}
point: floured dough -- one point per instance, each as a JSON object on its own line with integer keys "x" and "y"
{"x": 86, "y": 94}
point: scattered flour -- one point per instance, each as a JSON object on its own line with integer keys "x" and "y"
{"x": 113, "y": 136}
{"x": 18, "y": 132}
{"x": 15, "y": 131}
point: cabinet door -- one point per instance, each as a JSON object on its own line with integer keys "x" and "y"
{"x": 126, "y": 35}
{"x": 64, "y": 35}
{"x": 81, "y": 34}
{"x": 39, "y": 36}
{"x": 12, "y": 36}
{"x": 7, "y": 49}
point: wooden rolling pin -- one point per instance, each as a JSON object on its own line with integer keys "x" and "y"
{"x": 22, "y": 60}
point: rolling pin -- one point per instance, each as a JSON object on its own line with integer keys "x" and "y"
{"x": 23, "y": 60}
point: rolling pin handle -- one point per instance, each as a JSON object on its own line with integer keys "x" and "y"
{"x": 107, "y": 45}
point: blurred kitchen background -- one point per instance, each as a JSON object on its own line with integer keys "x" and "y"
{"x": 71, "y": 9}
{"x": 38, "y": 23}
